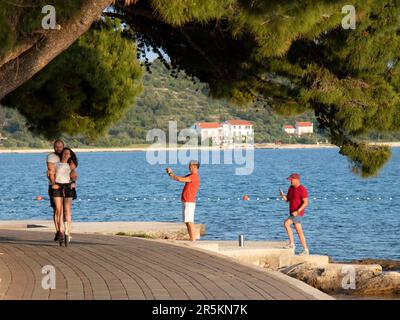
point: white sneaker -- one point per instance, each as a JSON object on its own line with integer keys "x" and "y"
{"x": 305, "y": 252}
{"x": 290, "y": 246}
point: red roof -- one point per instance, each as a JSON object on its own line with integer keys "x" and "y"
{"x": 288, "y": 127}
{"x": 240, "y": 122}
{"x": 208, "y": 125}
{"x": 304, "y": 124}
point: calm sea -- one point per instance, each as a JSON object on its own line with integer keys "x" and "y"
{"x": 348, "y": 217}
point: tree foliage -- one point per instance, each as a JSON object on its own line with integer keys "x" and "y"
{"x": 21, "y": 19}
{"x": 85, "y": 89}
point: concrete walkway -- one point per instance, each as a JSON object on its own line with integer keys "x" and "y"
{"x": 110, "y": 267}
{"x": 153, "y": 229}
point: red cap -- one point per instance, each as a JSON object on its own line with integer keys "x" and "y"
{"x": 294, "y": 176}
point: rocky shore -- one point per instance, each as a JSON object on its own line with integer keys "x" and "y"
{"x": 362, "y": 278}
{"x": 386, "y": 264}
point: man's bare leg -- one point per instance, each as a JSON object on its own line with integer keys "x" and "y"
{"x": 56, "y": 218}
{"x": 299, "y": 231}
{"x": 191, "y": 230}
{"x": 288, "y": 228}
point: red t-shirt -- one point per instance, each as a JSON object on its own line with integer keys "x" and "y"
{"x": 295, "y": 197}
{"x": 190, "y": 189}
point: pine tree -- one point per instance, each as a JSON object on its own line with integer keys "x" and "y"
{"x": 85, "y": 89}
{"x": 295, "y": 56}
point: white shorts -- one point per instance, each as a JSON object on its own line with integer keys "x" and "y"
{"x": 188, "y": 211}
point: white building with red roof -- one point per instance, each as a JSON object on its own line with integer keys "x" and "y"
{"x": 289, "y": 129}
{"x": 300, "y": 128}
{"x": 304, "y": 128}
{"x": 229, "y": 132}
{"x": 210, "y": 130}
{"x": 238, "y": 131}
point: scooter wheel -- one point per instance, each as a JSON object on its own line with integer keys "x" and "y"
{"x": 61, "y": 239}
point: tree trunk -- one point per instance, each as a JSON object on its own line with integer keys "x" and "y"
{"x": 22, "y": 68}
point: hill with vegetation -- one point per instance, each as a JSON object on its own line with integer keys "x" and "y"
{"x": 166, "y": 98}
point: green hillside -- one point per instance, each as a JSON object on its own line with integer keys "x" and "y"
{"x": 165, "y": 98}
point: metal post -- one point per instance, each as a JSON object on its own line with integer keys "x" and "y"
{"x": 241, "y": 240}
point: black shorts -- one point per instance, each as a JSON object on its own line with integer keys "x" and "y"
{"x": 64, "y": 191}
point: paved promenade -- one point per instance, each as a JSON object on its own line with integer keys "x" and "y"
{"x": 110, "y": 267}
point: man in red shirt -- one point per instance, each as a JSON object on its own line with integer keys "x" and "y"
{"x": 297, "y": 197}
{"x": 188, "y": 197}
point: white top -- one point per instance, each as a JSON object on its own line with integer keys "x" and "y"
{"x": 52, "y": 158}
{"x": 63, "y": 172}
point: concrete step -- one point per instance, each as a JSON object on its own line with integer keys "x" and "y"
{"x": 267, "y": 254}
{"x": 313, "y": 258}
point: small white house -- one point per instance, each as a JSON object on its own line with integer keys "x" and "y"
{"x": 210, "y": 130}
{"x": 289, "y": 129}
{"x": 304, "y": 128}
{"x": 238, "y": 131}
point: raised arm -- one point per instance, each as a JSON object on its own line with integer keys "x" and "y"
{"x": 284, "y": 196}
{"x": 177, "y": 178}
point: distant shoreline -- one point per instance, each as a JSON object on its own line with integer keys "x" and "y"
{"x": 154, "y": 148}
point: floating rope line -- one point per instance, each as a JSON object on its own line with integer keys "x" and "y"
{"x": 202, "y": 199}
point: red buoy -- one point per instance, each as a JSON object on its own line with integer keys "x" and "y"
{"x": 39, "y": 198}
{"x": 246, "y": 197}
